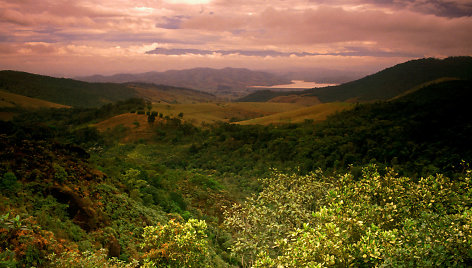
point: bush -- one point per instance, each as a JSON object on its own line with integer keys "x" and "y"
{"x": 375, "y": 220}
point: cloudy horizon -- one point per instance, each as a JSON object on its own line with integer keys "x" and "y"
{"x": 84, "y": 37}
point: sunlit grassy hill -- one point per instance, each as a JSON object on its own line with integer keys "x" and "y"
{"x": 11, "y": 102}
{"x": 226, "y": 112}
{"x": 316, "y": 113}
{"x": 14, "y": 100}
{"x": 134, "y": 126}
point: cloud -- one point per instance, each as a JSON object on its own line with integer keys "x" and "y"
{"x": 252, "y": 33}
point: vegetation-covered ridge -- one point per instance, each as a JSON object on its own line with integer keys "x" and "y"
{"x": 385, "y": 84}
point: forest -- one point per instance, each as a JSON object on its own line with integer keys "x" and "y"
{"x": 386, "y": 183}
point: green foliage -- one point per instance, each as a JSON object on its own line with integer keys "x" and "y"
{"x": 284, "y": 204}
{"x": 377, "y": 220}
{"x": 176, "y": 244}
{"x": 9, "y": 182}
{"x": 7, "y": 259}
{"x": 60, "y": 174}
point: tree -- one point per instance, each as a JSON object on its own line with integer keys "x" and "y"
{"x": 151, "y": 118}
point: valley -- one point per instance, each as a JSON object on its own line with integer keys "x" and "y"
{"x": 119, "y": 172}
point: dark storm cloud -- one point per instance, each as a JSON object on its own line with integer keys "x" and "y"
{"x": 442, "y": 8}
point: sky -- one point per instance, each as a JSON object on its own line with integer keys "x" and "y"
{"x": 84, "y": 37}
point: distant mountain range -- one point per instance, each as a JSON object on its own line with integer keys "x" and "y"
{"x": 231, "y": 82}
{"x": 83, "y": 94}
{"x": 385, "y": 84}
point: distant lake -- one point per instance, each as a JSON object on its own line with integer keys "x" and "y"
{"x": 297, "y": 84}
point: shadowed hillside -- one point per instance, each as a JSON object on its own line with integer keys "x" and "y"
{"x": 63, "y": 91}
{"x": 385, "y": 84}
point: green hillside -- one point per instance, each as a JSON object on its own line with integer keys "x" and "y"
{"x": 388, "y": 83}
{"x": 63, "y": 91}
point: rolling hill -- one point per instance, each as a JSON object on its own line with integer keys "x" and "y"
{"x": 385, "y": 84}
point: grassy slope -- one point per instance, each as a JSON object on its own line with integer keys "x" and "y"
{"x": 316, "y": 113}
{"x": 136, "y": 126}
{"x": 8, "y": 99}
{"x": 211, "y": 112}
